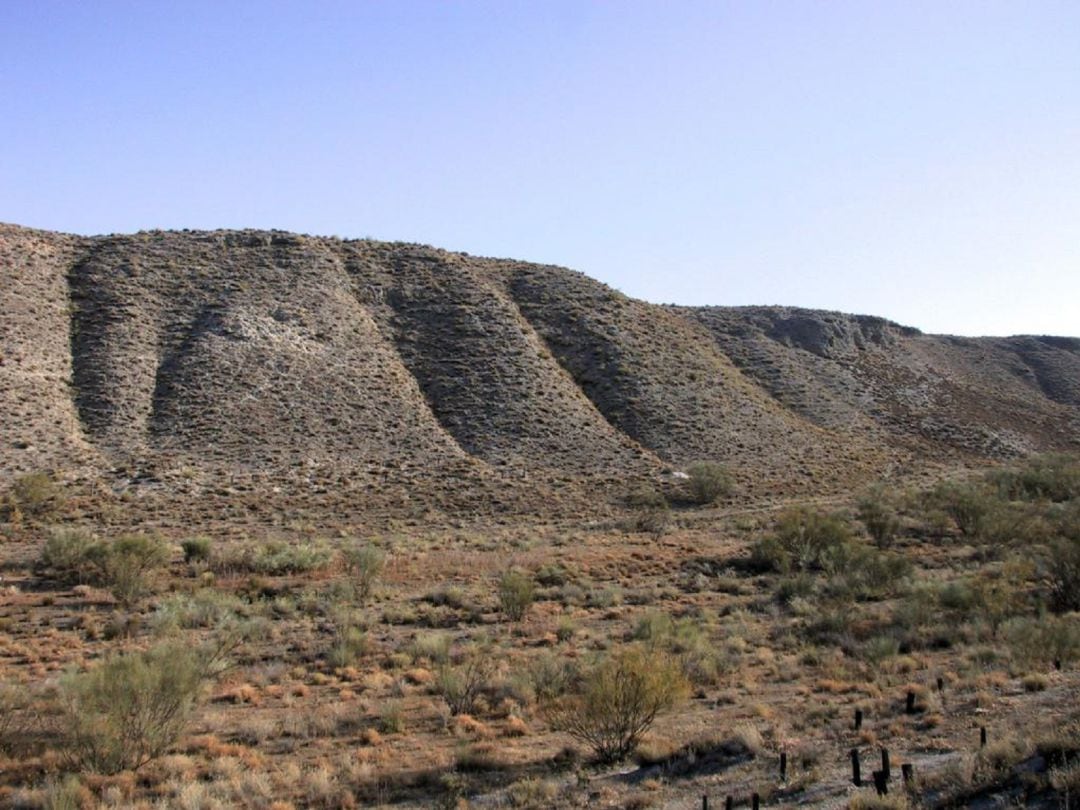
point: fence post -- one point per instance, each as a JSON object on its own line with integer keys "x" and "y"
{"x": 907, "y": 770}
{"x": 858, "y": 719}
{"x": 910, "y": 708}
{"x": 783, "y": 766}
{"x": 982, "y": 736}
{"x": 856, "y": 777}
{"x": 881, "y": 784}
{"x": 885, "y": 772}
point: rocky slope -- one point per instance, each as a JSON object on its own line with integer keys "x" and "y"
{"x": 204, "y": 356}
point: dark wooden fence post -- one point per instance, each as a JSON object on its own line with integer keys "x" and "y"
{"x": 907, "y": 770}
{"x": 755, "y": 802}
{"x": 856, "y": 777}
{"x": 704, "y": 803}
{"x": 783, "y": 766}
{"x": 910, "y": 708}
{"x": 729, "y": 803}
{"x": 858, "y": 719}
{"x": 885, "y": 764}
{"x": 881, "y": 783}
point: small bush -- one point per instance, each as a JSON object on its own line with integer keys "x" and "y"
{"x": 203, "y": 608}
{"x": 434, "y": 646}
{"x": 351, "y": 644}
{"x": 392, "y": 718}
{"x": 129, "y": 563}
{"x": 1051, "y": 638}
{"x": 364, "y": 564}
{"x": 69, "y": 554}
{"x": 16, "y": 717}
{"x": 35, "y": 495}
{"x": 275, "y": 558}
{"x": 880, "y": 518}
{"x": 516, "y": 593}
{"x": 551, "y": 676}
{"x": 968, "y": 505}
{"x": 618, "y": 702}
{"x": 652, "y": 514}
{"x": 1061, "y": 573}
{"x": 196, "y": 549}
{"x": 462, "y": 683}
{"x": 708, "y": 481}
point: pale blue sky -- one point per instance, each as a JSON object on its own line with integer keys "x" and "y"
{"x": 917, "y": 160}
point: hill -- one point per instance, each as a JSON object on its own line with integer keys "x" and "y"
{"x": 403, "y": 375}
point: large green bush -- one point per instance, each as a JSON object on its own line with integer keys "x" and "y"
{"x": 129, "y": 564}
{"x": 802, "y": 540}
{"x": 126, "y": 566}
{"x": 618, "y": 701}
{"x": 969, "y": 505}
{"x": 69, "y": 555}
{"x": 131, "y": 708}
{"x": 34, "y": 495}
{"x": 707, "y": 482}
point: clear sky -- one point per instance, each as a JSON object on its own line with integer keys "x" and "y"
{"x": 916, "y": 160}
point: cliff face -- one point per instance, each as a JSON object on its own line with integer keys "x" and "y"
{"x": 266, "y": 353}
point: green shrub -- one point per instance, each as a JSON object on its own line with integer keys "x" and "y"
{"x": 879, "y": 517}
{"x": 967, "y": 504}
{"x": 16, "y": 717}
{"x": 859, "y": 572}
{"x": 707, "y": 482}
{"x": 800, "y": 586}
{"x": 364, "y": 564}
{"x": 434, "y": 646}
{"x": 801, "y": 541}
{"x": 551, "y": 676}
{"x": 687, "y": 642}
{"x": 196, "y": 549}
{"x": 1054, "y": 478}
{"x": 70, "y": 554}
{"x": 391, "y": 718}
{"x": 351, "y": 643}
{"x": 129, "y": 564}
{"x": 618, "y": 701}
{"x": 462, "y": 683}
{"x": 129, "y": 709}
{"x": 126, "y": 566}
{"x": 1045, "y": 640}
{"x": 273, "y": 558}
{"x": 652, "y": 514}
{"x": 203, "y": 608}
{"x": 878, "y": 648}
{"x": 34, "y": 495}
{"x": 1061, "y": 564}
{"x": 516, "y": 593}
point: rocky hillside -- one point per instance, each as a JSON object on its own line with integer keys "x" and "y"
{"x": 274, "y": 357}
